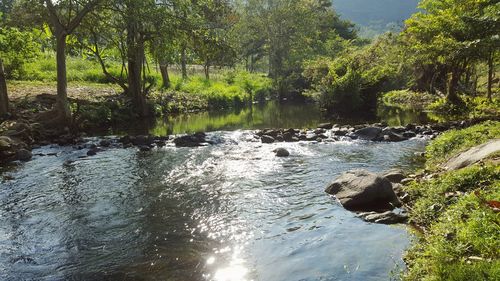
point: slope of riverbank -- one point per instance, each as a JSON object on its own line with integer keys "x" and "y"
{"x": 456, "y": 211}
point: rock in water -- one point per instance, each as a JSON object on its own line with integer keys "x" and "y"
{"x": 473, "y": 155}
{"x": 105, "y": 143}
{"x": 24, "y": 155}
{"x": 92, "y": 151}
{"x": 281, "y": 152}
{"x": 267, "y": 139}
{"x": 194, "y": 140}
{"x": 384, "y": 218}
{"x": 363, "y": 190}
{"x": 368, "y": 133}
{"x": 325, "y": 126}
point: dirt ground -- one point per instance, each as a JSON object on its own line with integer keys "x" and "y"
{"x": 23, "y": 90}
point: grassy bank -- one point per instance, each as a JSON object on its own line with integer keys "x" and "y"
{"x": 455, "y": 211}
{"x": 226, "y": 88}
{"x": 439, "y": 110}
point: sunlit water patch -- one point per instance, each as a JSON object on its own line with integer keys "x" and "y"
{"x": 232, "y": 211}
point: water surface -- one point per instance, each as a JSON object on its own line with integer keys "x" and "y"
{"x": 231, "y": 211}
{"x": 269, "y": 115}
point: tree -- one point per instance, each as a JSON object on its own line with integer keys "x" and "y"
{"x": 448, "y": 37}
{"x": 63, "y": 17}
{"x": 4, "y": 99}
{"x": 289, "y": 32}
{"x": 16, "y": 48}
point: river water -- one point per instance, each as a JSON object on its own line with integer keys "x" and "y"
{"x": 227, "y": 212}
{"x": 231, "y": 211}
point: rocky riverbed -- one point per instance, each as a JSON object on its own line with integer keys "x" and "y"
{"x": 18, "y": 137}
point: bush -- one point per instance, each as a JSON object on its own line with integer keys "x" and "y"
{"x": 407, "y": 99}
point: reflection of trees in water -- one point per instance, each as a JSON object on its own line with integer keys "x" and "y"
{"x": 400, "y": 117}
{"x": 269, "y": 115}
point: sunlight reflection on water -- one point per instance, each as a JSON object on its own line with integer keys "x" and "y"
{"x": 227, "y": 212}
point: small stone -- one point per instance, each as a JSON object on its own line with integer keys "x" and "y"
{"x": 281, "y": 152}
{"x": 92, "y": 152}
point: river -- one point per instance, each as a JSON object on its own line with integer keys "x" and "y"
{"x": 231, "y": 211}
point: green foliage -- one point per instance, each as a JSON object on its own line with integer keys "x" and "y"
{"x": 462, "y": 238}
{"x": 455, "y": 141}
{"x": 353, "y": 80}
{"x": 407, "y": 99}
{"x": 16, "y": 48}
{"x": 471, "y": 108}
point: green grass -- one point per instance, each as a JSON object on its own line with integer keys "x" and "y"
{"x": 461, "y": 229}
{"x": 226, "y": 89}
{"x": 454, "y": 141}
{"x": 460, "y": 238}
{"x": 432, "y": 201}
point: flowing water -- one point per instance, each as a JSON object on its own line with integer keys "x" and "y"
{"x": 231, "y": 211}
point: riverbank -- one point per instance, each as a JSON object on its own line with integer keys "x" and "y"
{"x": 439, "y": 110}
{"x": 454, "y": 204}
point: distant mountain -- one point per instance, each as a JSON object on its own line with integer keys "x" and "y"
{"x": 376, "y": 16}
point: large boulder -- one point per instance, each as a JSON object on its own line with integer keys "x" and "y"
{"x": 473, "y": 155}
{"x": 362, "y": 190}
{"x": 368, "y": 133}
{"x": 394, "y": 175}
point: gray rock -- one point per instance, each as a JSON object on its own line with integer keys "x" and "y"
{"x": 473, "y": 155}
{"x": 281, "y": 152}
{"x": 267, "y": 139}
{"x": 409, "y": 134}
{"x": 363, "y": 190}
{"x": 325, "y": 126}
{"x": 144, "y": 148}
{"x": 105, "y": 143}
{"x": 394, "y": 176}
{"x": 194, "y": 140}
{"x": 24, "y": 155}
{"x": 384, "y": 218}
{"x": 92, "y": 151}
{"x": 368, "y": 133}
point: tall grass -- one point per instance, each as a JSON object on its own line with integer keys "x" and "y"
{"x": 227, "y": 88}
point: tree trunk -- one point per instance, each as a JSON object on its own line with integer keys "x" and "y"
{"x": 452, "y": 96}
{"x": 4, "y": 98}
{"x": 164, "y": 75}
{"x": 62, "y": 105}
{"x": 490, "y": 74}
{"x": 184, "y": 62}
{"x": 135, "y": 59}
{"x": 206, "y": 68}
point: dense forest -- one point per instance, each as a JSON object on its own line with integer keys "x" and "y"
{"x": 447, "y": 51}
